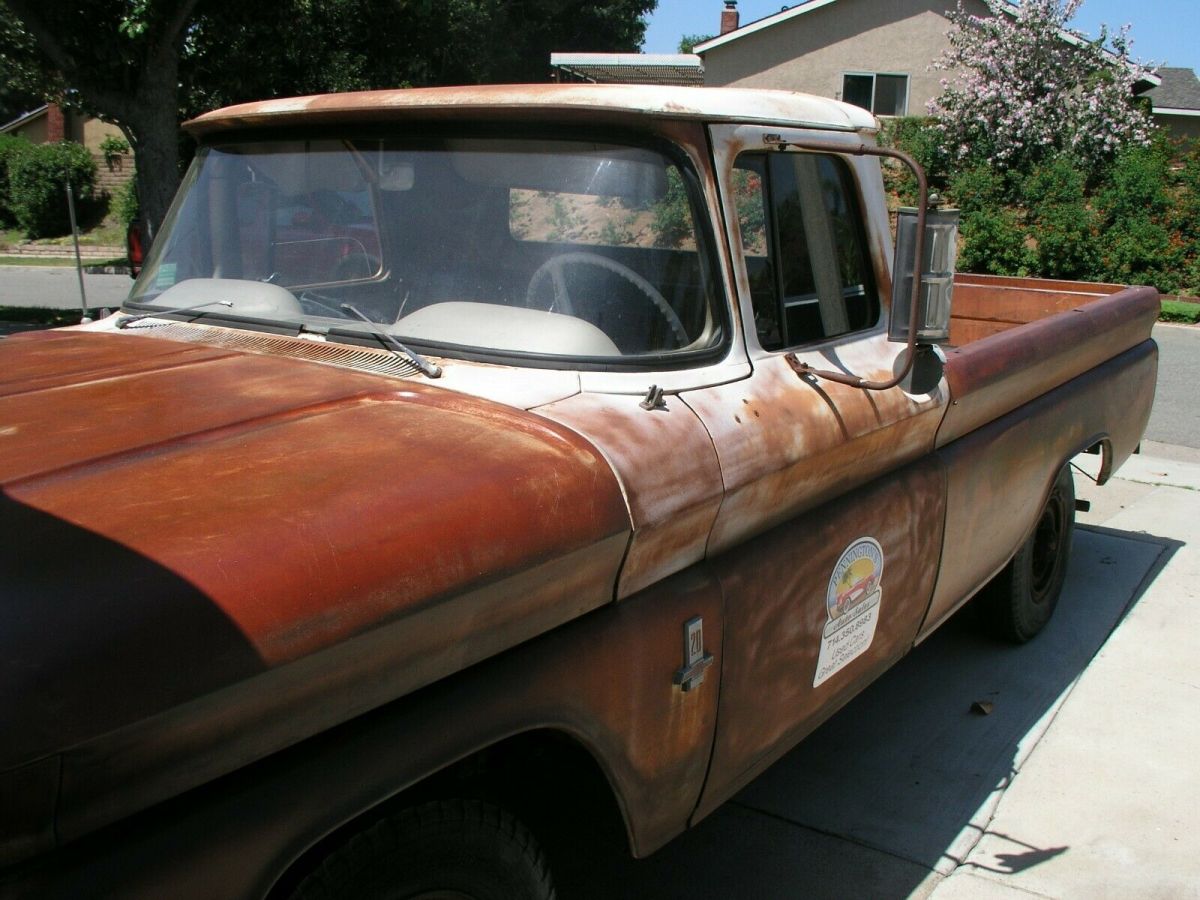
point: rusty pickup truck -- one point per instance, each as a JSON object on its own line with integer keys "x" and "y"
{"x": 469, "y": 466}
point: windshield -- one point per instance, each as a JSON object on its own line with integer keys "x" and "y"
{"x": 539, "y": 248}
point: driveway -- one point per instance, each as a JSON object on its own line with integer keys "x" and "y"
{"x": 1077, "y": 783}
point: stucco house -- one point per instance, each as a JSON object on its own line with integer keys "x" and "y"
{"x": 872, "y": 53}
{"x": 1176, "y": 102}
{"x": 50, "y": 123}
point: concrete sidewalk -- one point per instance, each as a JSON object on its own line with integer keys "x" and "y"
{"x": 1081, "y": 782}
{"x": 1107, "y": 801}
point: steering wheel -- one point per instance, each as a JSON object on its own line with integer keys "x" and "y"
{"x": 554, "y": 267}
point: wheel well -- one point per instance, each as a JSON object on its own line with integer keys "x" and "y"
{"x": 1103, "y": 449}
{"x": 546, "y": 778}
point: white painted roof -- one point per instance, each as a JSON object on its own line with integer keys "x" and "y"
{"x": 531, "y": 101}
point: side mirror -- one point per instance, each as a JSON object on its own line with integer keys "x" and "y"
{"x": 136, "y": 246}
{"x": 937, "y": 275}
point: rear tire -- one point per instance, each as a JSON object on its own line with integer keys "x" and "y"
{"x": 444, "y": 850}
{"x": 1022, "y": 598}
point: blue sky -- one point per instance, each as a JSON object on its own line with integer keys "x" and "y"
{"x": 1164, "y": 31}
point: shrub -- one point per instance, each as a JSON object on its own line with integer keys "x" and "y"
{"x": 124, "y": 203}
{"x": 992, "y": 228}
{"x": 978, "y": 189}
{"x": 1133, "y": 221}
{"x": 1136, "y": 183}
{"x": 10, "y": 148}
{"x": 1062, "y": 225}
{"x": 672, "y": 221}
{"x": 920, "y": 138}
{"x": 37, "y": 185}
{"x": 1184, "y": 212}
{"x": 1137, "y": 251}
{"x": 994, "y": 243}
{"x": 1135, "y": 204}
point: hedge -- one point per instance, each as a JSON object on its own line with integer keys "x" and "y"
{"x": 1134, "y": 220}
{"x": 10, "y": 148}
{"x": 36, "y": 189}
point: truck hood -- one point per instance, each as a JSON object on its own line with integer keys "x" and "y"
{"x": 179, "y": 518}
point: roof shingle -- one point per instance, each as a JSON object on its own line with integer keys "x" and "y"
{"x": 1180, "y": 89}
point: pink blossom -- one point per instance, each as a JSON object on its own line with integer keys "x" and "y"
{"x": 1021, "y": 89}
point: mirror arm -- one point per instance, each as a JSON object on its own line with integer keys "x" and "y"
{"x": 804, "y": 369}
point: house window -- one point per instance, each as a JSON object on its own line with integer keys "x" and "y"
{"x": 805, "y": 248}
{"x": 884, "y": 95}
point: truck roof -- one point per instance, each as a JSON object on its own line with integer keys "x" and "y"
{"x": 540, "y": 101}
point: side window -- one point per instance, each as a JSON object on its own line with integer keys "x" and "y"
{"x": 805, "y": 248}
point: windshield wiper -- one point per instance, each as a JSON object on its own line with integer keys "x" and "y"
{"x": 125, "y": 320}
{"x": 430, "y": 370}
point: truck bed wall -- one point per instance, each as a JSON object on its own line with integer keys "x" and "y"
{"x": 987, "y": 304}
{"x": 1064, "y": 330}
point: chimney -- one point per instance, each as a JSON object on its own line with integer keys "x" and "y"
{"x": 56, "y": 124}
{"x": 729, "y": 17}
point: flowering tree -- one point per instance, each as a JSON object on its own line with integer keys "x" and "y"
{"x": 1028, "y": 89}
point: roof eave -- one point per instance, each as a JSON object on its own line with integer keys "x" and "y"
{"x": 24, "y": 118}
{"x": 765, "y": 22}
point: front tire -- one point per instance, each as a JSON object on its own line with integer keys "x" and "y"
{"x": 1022, "y": 598}
{"x": 443, "y": 850}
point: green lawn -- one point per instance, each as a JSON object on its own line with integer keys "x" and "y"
{"x": 58, "y": 261}
{"x": 106, "y": 234}
{"x": 1177, "y": 311}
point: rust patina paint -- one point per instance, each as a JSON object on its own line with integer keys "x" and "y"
{"x": 669, "y": 471}
{"x": 300, "y": 504}
{"x": 775, "y": 592}
{"x": 216, "y": 555}
{"x": 998, "y": 476}
{"x": 786, "y": 444}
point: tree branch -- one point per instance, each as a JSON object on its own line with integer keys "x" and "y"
{"x": 108, "y": 104}
{"x": 33, "y": 22}
{"x": 164, "y": 45}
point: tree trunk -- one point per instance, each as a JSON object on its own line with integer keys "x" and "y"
{"x": 155, "y": 140}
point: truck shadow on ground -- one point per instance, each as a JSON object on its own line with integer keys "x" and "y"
{"x": 902, "y": 781}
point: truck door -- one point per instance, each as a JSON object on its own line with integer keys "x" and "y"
{"x": 828, "y": 536}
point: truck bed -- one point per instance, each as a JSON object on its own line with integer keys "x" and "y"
{"x": 1014, "y": 339}
{"x": 989, "y": 304}
{"x": 1039, "y": 371}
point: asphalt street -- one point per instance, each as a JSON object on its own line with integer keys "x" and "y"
{"x": 57, "y": 287}
{"x": 1176, "y": 415}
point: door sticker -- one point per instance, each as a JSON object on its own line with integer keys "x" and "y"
{"x": 852, "y": 603}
